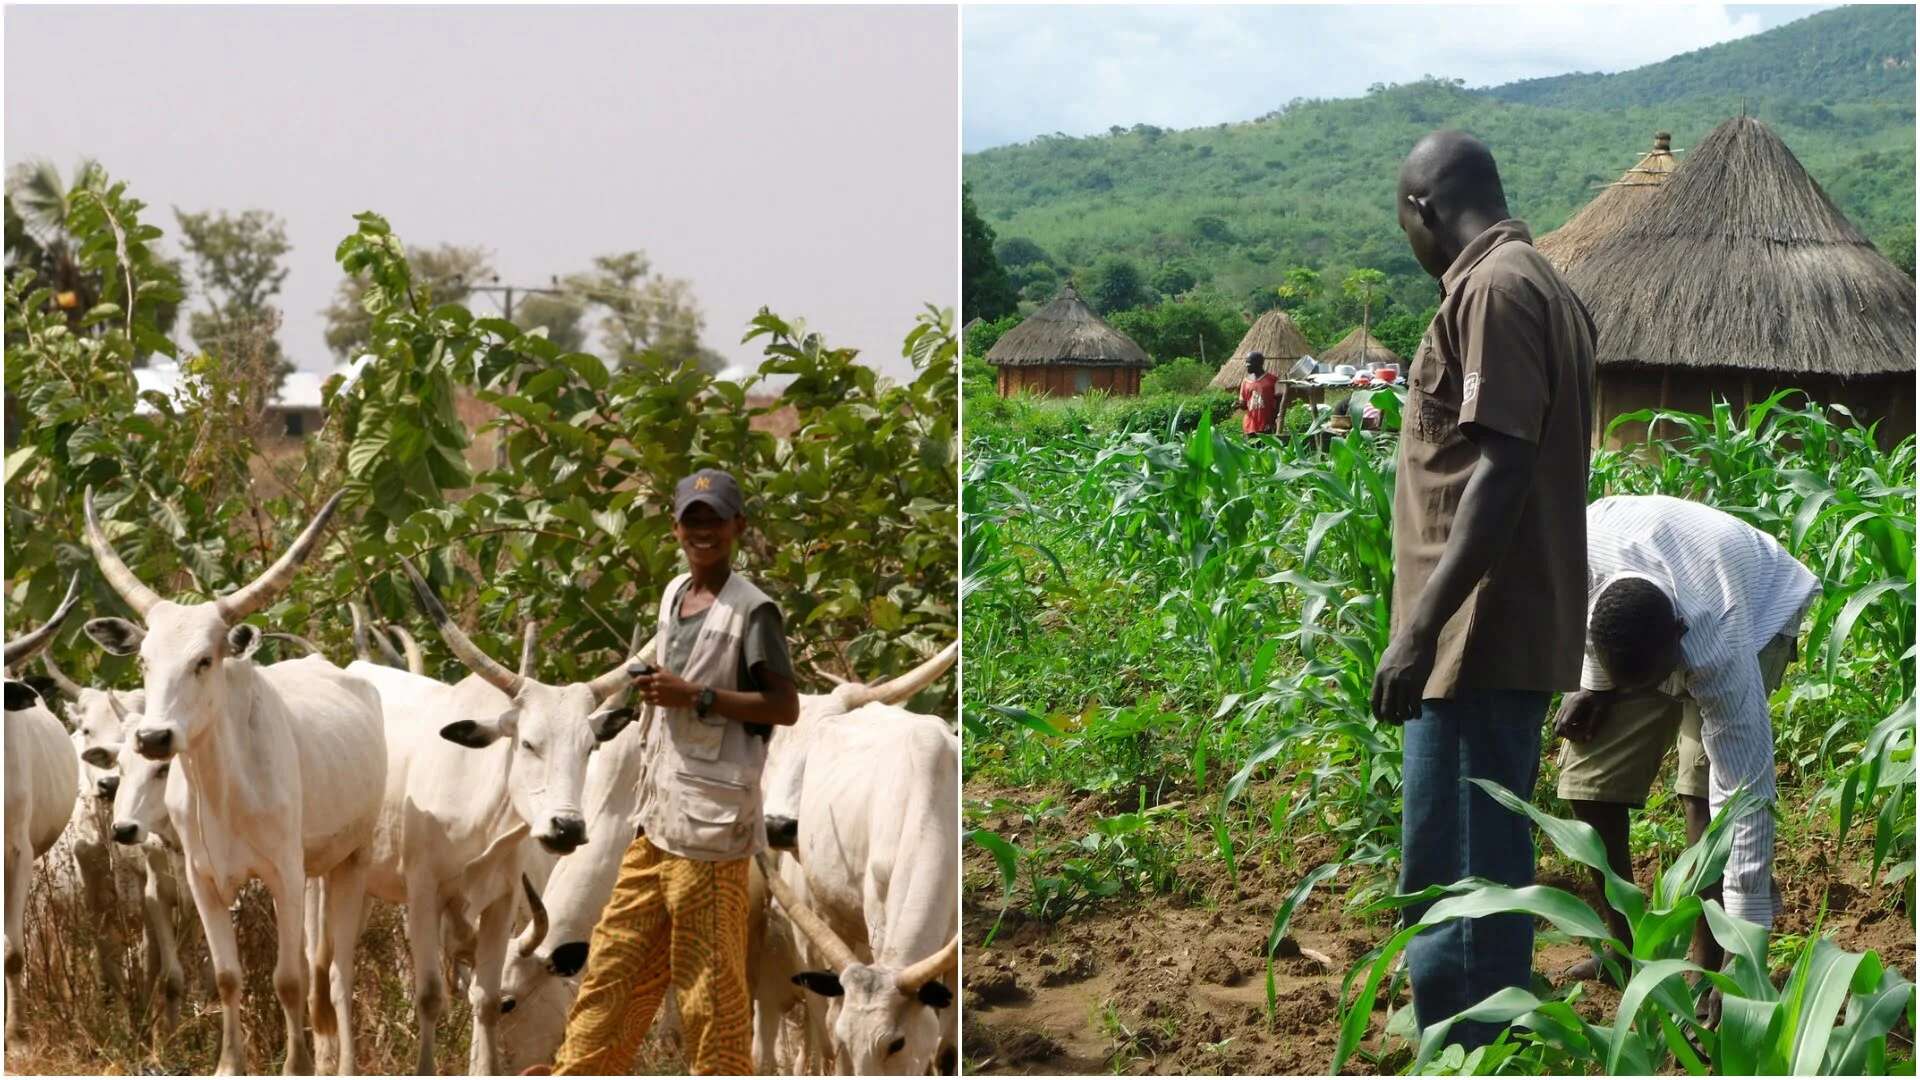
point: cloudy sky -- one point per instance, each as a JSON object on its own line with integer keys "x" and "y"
{"x": 1036, "y": 70}
{"x": 800, "y": 158}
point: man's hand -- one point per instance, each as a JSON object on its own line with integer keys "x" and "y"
{"x": 667, "y": 690}
{"x": 1580, "y": 715}
{"x": 1402, "y": 678}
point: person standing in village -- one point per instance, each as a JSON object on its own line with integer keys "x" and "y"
{"x": 1489, "y": 554}
{"x": 678, "y": 915}
{"x": 1260, "y": 396}
{"x": 1694, "y": 616}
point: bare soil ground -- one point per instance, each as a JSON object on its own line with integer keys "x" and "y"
{"x": 1166, "y": 985}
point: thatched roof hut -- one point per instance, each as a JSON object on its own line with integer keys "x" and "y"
{"x": 1065, "y": 349}
{"x": 1622, "y": 201}
{"x": 1739, "y": 278}
{"x": 1359, "y": 348}
{"x": 1272, "y": 335}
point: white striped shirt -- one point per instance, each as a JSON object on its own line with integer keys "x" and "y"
{"x": 1737, "y": 589}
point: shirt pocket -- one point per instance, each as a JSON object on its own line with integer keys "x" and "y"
{"x": 700, "y": 738}
{"x": 716, "y": 814}
{"x": 1433, "y": 396}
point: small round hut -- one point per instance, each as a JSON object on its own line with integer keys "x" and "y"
{"x": 1359, "y": 348}
{"x": 1622, "y": 201}
{"x": 1065, "y": 349}
{"x": 1272, "y": 335}
{"x": 1740, "y": 278}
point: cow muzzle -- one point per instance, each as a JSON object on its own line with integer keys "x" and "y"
{"x": 565, "y": 832}
{"x": 154, "y": 743}
{"x": 126, "y": 832}
{"x": 106, "y": 786}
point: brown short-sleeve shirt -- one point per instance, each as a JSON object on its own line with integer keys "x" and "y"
{"x": 1511, "y": 350}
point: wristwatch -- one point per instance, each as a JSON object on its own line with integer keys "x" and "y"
{"x": 704, "y": 703}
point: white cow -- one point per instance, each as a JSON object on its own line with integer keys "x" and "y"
{"x": 41, "y": 778}
{"x": 475, "y": 769}
{"x": 279, "y": 777}
{"x": 114, "y": 874}
{"x": 552, "y": 952}
{"x": 875, "y": 887}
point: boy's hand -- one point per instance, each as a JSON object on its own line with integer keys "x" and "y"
{"x": 667, "y": 690}
{"x": 1580, "y": 714}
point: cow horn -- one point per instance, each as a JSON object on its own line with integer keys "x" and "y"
{"x": 911, "y": 979}
{"x": 900, "y": 690}
{"x": 22, "y": 648}
{"x": 260, "y": 592}
{"x": 838, "y": 956}
{"x": 463, "y": 647}
{"x": 529, "y": 648}
{"x": 416, "y": 663}
{"x": 67, "y": 686}
{"x": 138, "y": 597}
{"x": 616, "y": 680}
{"x": 282, "y": 635}
{"x": 119, "y": 707}
{"x": 360, "y": 635}
{"x": 536, "y": 931}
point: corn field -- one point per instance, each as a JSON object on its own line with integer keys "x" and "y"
{"x": 1171, "y": 638}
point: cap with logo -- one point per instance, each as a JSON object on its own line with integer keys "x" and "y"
{"x": 716, "y": 488}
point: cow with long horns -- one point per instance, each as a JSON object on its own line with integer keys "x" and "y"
{"x": 873, "y": 890}
{"x": 41, "y": 778}
{"x": 279, "y": 773}
{"x": 474, "y": 770}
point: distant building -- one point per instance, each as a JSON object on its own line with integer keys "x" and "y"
{"x": 1274, "y": 336}
{"x": 1623, "y": 201}
{"x": 294, "y": 413}
{"x": 1065, "y": 349}
{"x": 1738, "y": 278}
{"x": 1360, "y": 349}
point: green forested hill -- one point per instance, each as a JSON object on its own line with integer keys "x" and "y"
{"x": 1312, "y": 184}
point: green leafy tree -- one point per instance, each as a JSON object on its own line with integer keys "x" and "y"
{"x": 39, "y": 208}
{"x": 985, "y": 291}
{"x": 559, "y": 316}
{"x": 1174, "y": 279}
{"x": 641, "y": 311}
{"x": 1116, "y": 283}
{"x": 239, "y": 266}
{"x": 444, "y": 274}
{"x": 1298, "y": 287}
{"x": 1203, "y": 324}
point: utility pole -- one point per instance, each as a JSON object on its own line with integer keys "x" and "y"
{"x": 493, "y": 286}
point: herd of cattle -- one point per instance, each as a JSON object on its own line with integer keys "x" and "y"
{"x": 481, "y": 805}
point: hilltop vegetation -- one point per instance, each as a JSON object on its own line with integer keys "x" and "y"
{"x": 1234, "y": 207}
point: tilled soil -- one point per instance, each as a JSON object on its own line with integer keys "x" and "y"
{"x": 1162, "y": 984}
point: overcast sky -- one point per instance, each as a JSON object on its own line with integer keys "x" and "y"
{"x": 800, "y": 158}
{"x": 1036, "y": 70}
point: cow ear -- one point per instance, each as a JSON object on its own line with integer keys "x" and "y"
{"x": 934, "y": 994}
{"x": 476, "y": 734}
{"x": 607, "y": 723}
{"x": 242, "y": 640}
{"x": 20, "y": 696}
{"x": 568, "y": 959}
{"x": 117, "y": 636}
{"x": 99, "y": 757}
{"x": 824, "y": 983}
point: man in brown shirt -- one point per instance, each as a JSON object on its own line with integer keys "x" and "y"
{"x": 1490, "y": 559}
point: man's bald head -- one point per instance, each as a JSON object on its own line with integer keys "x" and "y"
{"x": 1449, "y": 193}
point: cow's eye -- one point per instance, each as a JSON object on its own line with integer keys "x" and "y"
{"x": 896, "y": 1046}
{"x": 205, "y": 663}
{"x": 527, "y": 746}
{"x": 165, "y": 769}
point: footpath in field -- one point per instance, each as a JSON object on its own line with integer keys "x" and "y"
{"x": 1171, "y": 765}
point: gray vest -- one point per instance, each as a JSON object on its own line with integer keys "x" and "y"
{"x": 700, "y": 796}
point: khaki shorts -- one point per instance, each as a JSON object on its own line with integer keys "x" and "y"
{"x": 1618, "y": 764}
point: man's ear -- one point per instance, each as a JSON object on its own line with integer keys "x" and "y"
{"x": 480, "y": 734}
{"x": 242, "y": 640}
{"x": 20, "y": 696}
{"x": 117, "y": 636}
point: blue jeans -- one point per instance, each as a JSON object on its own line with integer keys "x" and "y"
{"x": 1450, "y": 829}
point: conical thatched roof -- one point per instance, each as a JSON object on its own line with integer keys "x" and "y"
{"x": 1272, "y": 335}
{"x": 1623, "y": 200}
{"x": 1066, "y": 331}
{"x": 1359, "y": 348}
{"x": 1741, "y": 261}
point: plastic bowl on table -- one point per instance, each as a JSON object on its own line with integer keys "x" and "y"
{"x": 1388, "y": 373}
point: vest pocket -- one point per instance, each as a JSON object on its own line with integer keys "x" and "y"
{"x": 696, "y": 737}
{"x": 716, "y": 814}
